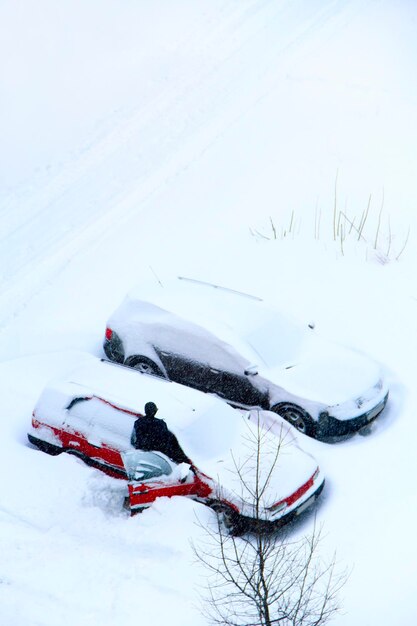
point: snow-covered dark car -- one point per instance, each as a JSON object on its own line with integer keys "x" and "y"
{"x": 91, "y": 413}
{"x": 210, "y": 338}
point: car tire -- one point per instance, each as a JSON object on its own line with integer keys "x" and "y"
{"x": 297, "y": 416}
{"x": 233, "y": 524}
{"x": 114, "y": 349}
{"x": 229, "y": 519}
{"x": 144, "y": 365}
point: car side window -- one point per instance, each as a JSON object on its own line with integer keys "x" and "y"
{"x": 99, "y": 420}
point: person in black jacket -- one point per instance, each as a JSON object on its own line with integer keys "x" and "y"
{"x": 151, "y": 433}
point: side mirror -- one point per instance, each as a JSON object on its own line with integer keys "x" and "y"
{"x": 252, "y": 370}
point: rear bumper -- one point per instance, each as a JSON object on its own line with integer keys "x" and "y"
{"x": 252, "y": 525}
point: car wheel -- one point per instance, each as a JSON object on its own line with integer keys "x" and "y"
{"x": 233, "y": 523}
{"x": 144, "y": 365}
{"x": 296, "y": 416}
{"x": 231, "y": 520}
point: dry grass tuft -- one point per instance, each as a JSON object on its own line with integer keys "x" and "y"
{"x": 370, "y": 230}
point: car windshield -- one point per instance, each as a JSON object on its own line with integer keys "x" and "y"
{"x": 275, "y": 339}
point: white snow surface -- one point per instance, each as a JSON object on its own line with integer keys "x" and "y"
{"x": 218, "y": 141}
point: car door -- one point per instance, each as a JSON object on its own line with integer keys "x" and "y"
{"x": 77, "y": 425}
{"x": 184, "y": 370}
{"x": 201, "y": 360}
{"x": 237, "y": 388}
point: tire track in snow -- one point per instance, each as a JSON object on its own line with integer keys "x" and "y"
{"x": 112, "y": 178}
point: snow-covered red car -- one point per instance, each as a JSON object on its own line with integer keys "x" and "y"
{"x": 91, "y": 412}
{"x": 209, "y": 338}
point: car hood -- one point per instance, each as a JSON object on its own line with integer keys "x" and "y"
{"x": 326, "y": 373}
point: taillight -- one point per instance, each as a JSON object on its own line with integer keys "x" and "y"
{"x": 296, "y": 495}
{"x": 109, "y": 333}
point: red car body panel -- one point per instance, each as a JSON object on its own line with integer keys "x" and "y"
{"x": 108, "y": 459}
{"x": 143, "y": 494}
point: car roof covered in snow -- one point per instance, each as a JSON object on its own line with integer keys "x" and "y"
{"x": 261, "y": 334}
{"x": 130, "y": 389}
{"x": 245, "y": 331}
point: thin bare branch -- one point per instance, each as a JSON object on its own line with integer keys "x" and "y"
{"x": 266, "y": 579}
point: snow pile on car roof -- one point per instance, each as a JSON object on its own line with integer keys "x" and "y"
{"x": 245, "y": 323}
{"x": 170, "y": 331}
{"x": 130, "y": 389}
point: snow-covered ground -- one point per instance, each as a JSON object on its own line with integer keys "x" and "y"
{"x": 233, "y": 141}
